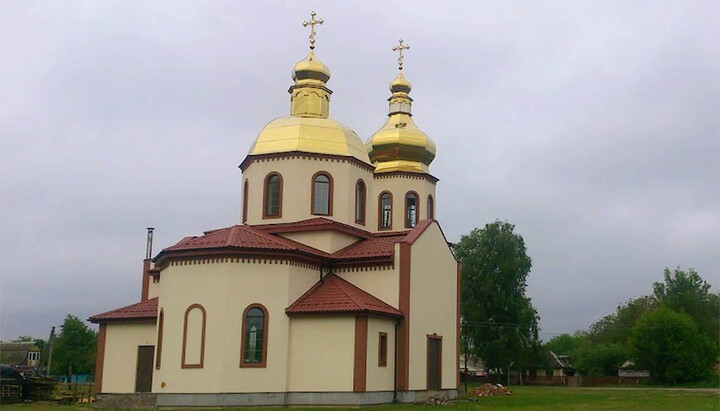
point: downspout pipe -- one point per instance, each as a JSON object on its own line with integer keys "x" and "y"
{"x": 395, "y": 371}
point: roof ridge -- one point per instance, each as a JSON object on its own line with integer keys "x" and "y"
{"x": 284, "y": 241}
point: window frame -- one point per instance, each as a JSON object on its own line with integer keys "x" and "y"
{"x": 330, "y": 193}
{"x": 382, "y": 349}
{"x": 417, "y": 209}
{"x": 380, "y": 210}
{"x": 201, "y": 364}
{"x": 430, "y": 207}
{"x": 158, "y": 351}
{"x": 364, "y": 201}
{"x": 265, "y": 214}
{"x": 266, "y": 322}
{"x": 246, "y": 189}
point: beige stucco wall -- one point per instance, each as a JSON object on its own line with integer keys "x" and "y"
{"x": 399, "y": 185}
{"x": 321, "y": 354}
{"x": 153, "y": 289}
{"x": 380, "y": 378}
{"x": 382, "y": 282}
{"x": 297, "y": 187}
{"x": 433, "y": 307}
{"x": 324, "y": 240}
{"x": 121, "y": 351}
{"x": 225, "y": 289}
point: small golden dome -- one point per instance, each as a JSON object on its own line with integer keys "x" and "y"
{"x": 309, "y": 135}
{"x": 400, "y": 84}
{"x": 311, "y": 68}
{"x": 400, "y": 145}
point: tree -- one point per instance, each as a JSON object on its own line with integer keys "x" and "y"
{"x": 616, "y": 328}
{"x": 74, "y": 347}
{"x": 566, "y": 344}
{"x": 687, "y": 292}
{"x": 669, "y": 344}
{"x": 499, "y": 321}
{"x": 595, "y": 360}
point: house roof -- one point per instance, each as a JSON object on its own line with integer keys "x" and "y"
{"x": 16, "y": 353}
{"x": 333, "y": 295}
{"x": 313, "y": 224}
{"x": 144, "y": 310}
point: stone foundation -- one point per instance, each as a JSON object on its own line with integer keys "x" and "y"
{"x": 263, "y": 399}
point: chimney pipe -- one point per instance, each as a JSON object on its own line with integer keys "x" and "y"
{"x": 148, "y": 248}
{"x": 146, "y": 266}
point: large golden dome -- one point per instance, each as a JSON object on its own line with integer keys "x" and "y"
{"x": 310, "y": 135}
{"x": 309, "y": 128}
{"x": 400, "y": 145}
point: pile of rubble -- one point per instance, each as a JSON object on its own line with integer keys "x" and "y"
{"x": 438, "y": 400}
{"x": 490, "y": 390}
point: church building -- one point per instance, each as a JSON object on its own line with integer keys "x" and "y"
{"x": 337, "y": 285}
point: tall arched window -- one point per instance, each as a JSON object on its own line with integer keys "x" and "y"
{"x": 411, "y": 209}
{"x": 360, "y": 197}
{"x": 322, "y": 194}
{"x": 253, "y": 348}
{"x": 385, "y": 211}
{"x": 272, "y": 197}
{"x": 160, "y": 326}
{"x": 430, "y": 207}
{"x": 245, "y": 202}
{"x": 193, "y": 347}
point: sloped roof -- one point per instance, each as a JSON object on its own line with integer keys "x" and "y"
{"x": 313, "y": 224}
{"x": 16, "y": 353}
{"x": 144, "y": 310}
{"x": 333, "y": 295}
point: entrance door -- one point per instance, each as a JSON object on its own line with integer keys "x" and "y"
{"x": 143, "y": 376}
{"x": 434, "y": 363}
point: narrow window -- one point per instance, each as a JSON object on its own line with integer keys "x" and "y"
{"x": 158, "y": 354}
{"x": 245, "y": 202}
{"x": 411, "y": 209}
{"x": 382, "y": 350}
{"x": 360, "y": 202}
{"x": 193, "y": 348}
{"x": 254, "y": 337}
{"x": 272, "y": 207}
{"x": 322, "y": 191}
{"x": 430, "y": 208}
{"x": 385, "y": 211}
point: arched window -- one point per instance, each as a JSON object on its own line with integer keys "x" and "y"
{"x": 193, "y": 348}
{"x": 411, "y": 209}
{"x": 385, "y": 211}
{"x": 245, "y": 202}
{"x": 158, "y": 354}
{"x": 272, "y": 198}
{"x": 253, "y": 348}
{"x": 360, "y": 196}
{"x": 430, "y": 208}
{"x": 322, "y": 194}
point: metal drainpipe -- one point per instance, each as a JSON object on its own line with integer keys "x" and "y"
{"x": 397, "y": 324}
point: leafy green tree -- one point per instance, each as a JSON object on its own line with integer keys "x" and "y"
{"x": 595, "y": 360}
{"x": 74, "y": 347}
{"x": 669, "y": 344}
{"x": 499, "y": 321}
{"x": 566, "y": 344}
{"x": 686, "y": 291}
{"x": 616, "y": 328}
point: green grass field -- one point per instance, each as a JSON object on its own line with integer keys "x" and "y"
{"x": 532, "y": 398}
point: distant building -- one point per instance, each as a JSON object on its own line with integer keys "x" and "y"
{"x": 23, "y": 357}
{"x": 628, "y": 370}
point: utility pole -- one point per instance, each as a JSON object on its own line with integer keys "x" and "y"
{"x": 50, "y": 347}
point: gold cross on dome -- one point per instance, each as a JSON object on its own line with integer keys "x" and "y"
{"x": 399, "y": 48}
{"x": 312, "y": 22}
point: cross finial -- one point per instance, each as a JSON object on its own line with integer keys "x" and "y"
{"x": 312, "y": 22}
{"x": 399, "y": 48}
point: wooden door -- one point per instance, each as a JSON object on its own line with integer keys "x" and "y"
{"x": 144, "y": 371}
{"x": 434, "y": 363}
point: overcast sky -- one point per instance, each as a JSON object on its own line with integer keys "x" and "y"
{"x": 594, "y": 127}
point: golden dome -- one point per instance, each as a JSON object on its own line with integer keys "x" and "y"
{"x": 311, "y": 68}
{"x": 400, "y": 145}
{"x": 310, "y": 135}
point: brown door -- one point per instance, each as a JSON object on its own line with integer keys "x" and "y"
{"x": 434, "y": 363}
{"x": 143, "y": 376}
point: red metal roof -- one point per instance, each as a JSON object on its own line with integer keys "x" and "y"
{"x": 314, "y": 224}
{"x": 144, "y": 310}
{"x": 333, "y": 295}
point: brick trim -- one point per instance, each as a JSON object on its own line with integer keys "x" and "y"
{"x": 266, "y": 322}
{"x": 403, "y": 334}
{"x": 265, "y": 215}
{"x": 330, "y": 193}
{"x": 158, "y": 351}
{"x": 100, "y": 357}
{"x": 360, "y": 358}
{"x": 364, "y": 202}
{"x": 379, "y": 215}
{"x": 417, "y": 209}
{"x": 201, "y": 364}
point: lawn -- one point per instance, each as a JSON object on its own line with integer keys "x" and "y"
{"x": 531, "y": 398}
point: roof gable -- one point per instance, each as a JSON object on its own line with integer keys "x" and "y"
{"x": 144, "y": 310}
{"x": 333, "y": 295}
